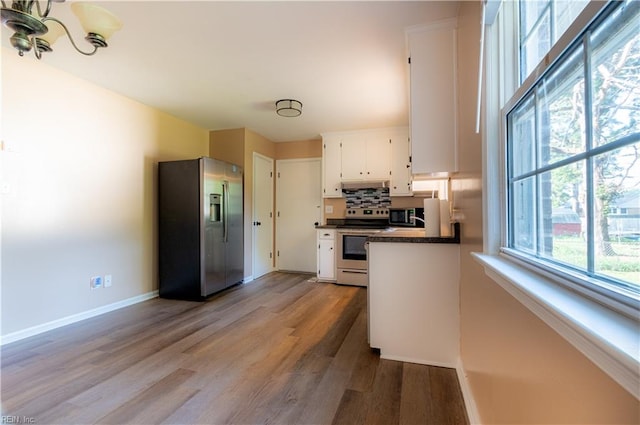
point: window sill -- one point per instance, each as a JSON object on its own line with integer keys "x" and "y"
{"x": 609, "y": 339}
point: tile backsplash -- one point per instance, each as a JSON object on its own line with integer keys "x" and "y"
{"x": 367, "y": 198}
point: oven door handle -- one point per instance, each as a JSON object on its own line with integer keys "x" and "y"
{"x": 355, "y": 271}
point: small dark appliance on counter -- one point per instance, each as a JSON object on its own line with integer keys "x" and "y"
{"x": 406, "y": 217}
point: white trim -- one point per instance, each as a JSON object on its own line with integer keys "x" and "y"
{"x": 58, "y": 323}
{"x": 416, "y": 360}
{"x": 254, "y": 230}
{"x": 467, "y": 395}
{"x": 609, "y": 339}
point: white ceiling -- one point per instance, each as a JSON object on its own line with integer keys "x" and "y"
{"x": 223, "y": 65}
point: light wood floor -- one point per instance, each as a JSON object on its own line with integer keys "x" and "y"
{"x": 278, "y": 350}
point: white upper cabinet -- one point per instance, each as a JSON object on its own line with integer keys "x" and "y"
{"x": 331, "y": 166}
{"x": 378, "y": 154}
{"x": 366, "y": 156}
{"x": 354, "y": 162}
{"x": 434, "y": 141}
{"x": 401, "y": 164}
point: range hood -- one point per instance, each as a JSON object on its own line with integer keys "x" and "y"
{"x": 368, "y": 184}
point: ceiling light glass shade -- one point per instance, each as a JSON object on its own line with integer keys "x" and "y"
{"x": 288, "y": 108}
{"x": 96, "y": 20}
{"x": 55, "y": 31}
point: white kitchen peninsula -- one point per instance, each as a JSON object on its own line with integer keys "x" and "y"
{"x": 414, "y": 298}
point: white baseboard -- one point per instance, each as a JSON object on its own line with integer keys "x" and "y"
{"x": 415, "y": 360}
{"x": 469, "y": 401}
{"x": 38, "y": 329}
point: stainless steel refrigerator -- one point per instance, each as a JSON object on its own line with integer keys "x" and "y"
{"x": 200, "y": 227}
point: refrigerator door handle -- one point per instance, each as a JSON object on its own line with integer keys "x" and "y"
{"x": 225, "y": 211}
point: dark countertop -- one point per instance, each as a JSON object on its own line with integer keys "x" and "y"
{"x": 415, "y": 236}
{"x": 408, "y": 235}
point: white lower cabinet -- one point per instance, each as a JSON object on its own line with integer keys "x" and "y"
{"x": 414, "y": 302}
{"x": 327, "y": 255}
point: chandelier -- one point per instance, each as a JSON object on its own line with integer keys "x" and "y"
{"x": 34, "y": 28}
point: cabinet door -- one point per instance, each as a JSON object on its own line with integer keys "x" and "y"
{"x": 433, "y": 98}
{"x": 401, "y": 164}
{"x": 354, "y": 161}
{"x": 326, "y": 259}
{"x": 331, "y": 167}
{"x": 378, "y": 157}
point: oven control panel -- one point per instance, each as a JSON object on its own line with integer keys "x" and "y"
{"x": 379, "y": 212}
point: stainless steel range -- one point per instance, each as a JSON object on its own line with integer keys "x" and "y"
{"x": 352, "y": 232}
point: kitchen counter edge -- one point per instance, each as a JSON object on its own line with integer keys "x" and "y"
{"x": 390, "y": 237}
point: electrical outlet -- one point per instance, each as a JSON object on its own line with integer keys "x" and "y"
{"x": 96, "y": 282}
{"x": 107, "y": 280}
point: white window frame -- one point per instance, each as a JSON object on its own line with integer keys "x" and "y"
{"x": 604, "y": 331}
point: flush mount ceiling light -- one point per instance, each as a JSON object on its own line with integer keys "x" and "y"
{"x": 288, "y": 108}
{"x": 34, "y": 28}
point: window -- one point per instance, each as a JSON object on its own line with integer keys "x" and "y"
{"x": 542, "y": 22}
{"x": 573, "y": 148}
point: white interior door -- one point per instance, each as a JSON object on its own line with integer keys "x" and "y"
{"x": 262, "y": 215}
{"x": 298, "y": 208}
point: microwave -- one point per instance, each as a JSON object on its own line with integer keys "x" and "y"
{"x": 405, "y": 217}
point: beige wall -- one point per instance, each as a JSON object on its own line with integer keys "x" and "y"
{"x": 520, "y": 370}
{"x": 227, "y": 145}
{"x": 301, "y": 149}
{"x": 80, "y": 163}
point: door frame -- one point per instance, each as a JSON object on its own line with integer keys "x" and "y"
{"x": 253, "y": 214}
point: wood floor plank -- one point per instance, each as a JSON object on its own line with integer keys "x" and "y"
{"x": 154, "y": 404}
{"x": 415, "y": 403}
{"x": 353, "y": 409}
{"x": 446, "y": 395}
{"x": 321, "y": 407}
{"x": 278, "y": 350}
{"x": 384, "y": 406}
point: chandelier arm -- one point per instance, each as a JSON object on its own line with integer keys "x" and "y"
{"x": 95, "y": 48}
{"x": 36, "y": 50}
{"x": 46, "y": 12}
